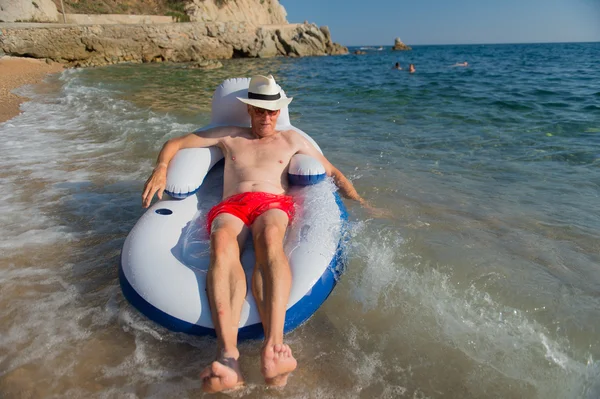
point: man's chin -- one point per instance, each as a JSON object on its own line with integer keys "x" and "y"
{"x": 265, "y": 130}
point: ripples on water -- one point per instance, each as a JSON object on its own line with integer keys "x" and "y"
{"x": 483, "y": 284}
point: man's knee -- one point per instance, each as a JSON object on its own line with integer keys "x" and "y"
{"x": 273, "y": 234}
{"x": 223, "y": 244}
{"x": 270, "y": 237}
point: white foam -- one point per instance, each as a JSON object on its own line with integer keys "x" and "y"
{"x": 379, "y": 253}
{"x": 68, "y": 163}
{"x": 54, "y": 147}
{"x": 389, "y": 279}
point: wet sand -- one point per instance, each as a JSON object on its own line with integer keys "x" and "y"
{"x": 16, "y": 72}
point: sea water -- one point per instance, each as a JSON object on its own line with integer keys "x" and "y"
{"x": 484, "y": 281}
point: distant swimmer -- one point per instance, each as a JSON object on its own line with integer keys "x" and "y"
{"x": 411, "y": 68}
{"x": 461, "y": 64}
{"x": 397, "y": 66}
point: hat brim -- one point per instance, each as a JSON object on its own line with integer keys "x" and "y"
{"x": 270, "y": 105}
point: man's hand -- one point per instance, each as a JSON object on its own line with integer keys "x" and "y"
{"x": 375, "y": 212}
{"x": 156, "y": 183}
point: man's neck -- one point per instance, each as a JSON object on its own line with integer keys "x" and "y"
{"x": 264, "y": 135}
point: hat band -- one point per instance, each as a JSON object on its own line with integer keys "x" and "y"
{"x": 266, "y": 97}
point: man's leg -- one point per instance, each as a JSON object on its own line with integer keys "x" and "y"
{"x": 271, "y": 284}
{"x": 226, "y": 288}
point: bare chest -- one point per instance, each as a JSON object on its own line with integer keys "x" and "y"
{"x": 248, "y": 153}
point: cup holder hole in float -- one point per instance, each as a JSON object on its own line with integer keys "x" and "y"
{"x": 164, "y": 211}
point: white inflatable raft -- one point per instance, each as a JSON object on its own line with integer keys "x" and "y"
{"x": 166, "y": 255}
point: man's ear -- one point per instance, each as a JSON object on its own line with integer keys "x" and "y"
{"x": 249, "y": 108}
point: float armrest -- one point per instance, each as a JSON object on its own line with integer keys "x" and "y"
{"x": 188, "y": 168}
{"x": 305, "y": 170}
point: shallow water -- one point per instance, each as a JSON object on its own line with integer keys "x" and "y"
{"x": 482, "y": 284}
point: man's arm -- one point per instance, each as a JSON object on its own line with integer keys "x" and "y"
{"x": 157, "y": 181}
{"x": 344, "y": 185}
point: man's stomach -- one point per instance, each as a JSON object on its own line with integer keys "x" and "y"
{"x": 252, "y": 186}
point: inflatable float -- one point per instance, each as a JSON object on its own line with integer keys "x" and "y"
{"x": 165, "y": 257}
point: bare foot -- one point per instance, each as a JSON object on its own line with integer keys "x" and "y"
{"x": 222, "y": 375}
{"x": 277, "y": 364}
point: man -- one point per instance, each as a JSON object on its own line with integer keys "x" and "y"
{"x": 254, "y": 201}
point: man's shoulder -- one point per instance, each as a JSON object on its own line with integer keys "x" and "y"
{"x": 290, "y": 133}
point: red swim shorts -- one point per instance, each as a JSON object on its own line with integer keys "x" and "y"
{"x": 249, "y": 206}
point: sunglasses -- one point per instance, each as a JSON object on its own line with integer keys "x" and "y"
{"x": 262, "y": 111}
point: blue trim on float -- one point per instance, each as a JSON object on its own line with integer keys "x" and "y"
{"x": 294, "y": 317}
{"x": 308, "y": 305}
{"x": 343, "y": 210}
{"x": 340, "y": 266}
{"x": 305, "y": 180}
{"x": 181, "y": 195}
{"x": 157, "y": 315}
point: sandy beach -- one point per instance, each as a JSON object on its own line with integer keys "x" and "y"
{"x": 16, "y": 72}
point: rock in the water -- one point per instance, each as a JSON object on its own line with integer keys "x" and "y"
{"x": 207, "y": 64}
{"x": 398, "y": 45}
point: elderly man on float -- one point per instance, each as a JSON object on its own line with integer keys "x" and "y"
{"x": 254, "y": 202}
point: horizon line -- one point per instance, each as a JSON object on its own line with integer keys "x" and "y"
{"x": 470, "y": 44}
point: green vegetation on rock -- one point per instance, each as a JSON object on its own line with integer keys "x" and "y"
{"x": 174, "y": 8}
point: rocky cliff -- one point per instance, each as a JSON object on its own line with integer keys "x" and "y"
{"x": 28, "y": 11}
{"x": 181, "y": 42}
{"x": 255, "y": 12}
{"x": 223, "y": 29}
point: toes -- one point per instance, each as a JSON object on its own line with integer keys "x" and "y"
{"x": 284, "y": 351}
{"x": 278, "y": 351}
{"x": 211, "y": 384}
{"x": 281, "y": 350}
{"x": 206, "y": 373}
{"x": 218, "y": 377}
{"x": 217, "y": 368}
{"x": 269, "y": 351}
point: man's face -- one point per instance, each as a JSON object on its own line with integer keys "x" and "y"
{"x": 263, "y": 120}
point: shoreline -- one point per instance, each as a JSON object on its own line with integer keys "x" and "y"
{"x": 16, "y": 72}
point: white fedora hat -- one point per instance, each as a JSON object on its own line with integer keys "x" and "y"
{"x": 263, "y": 92}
